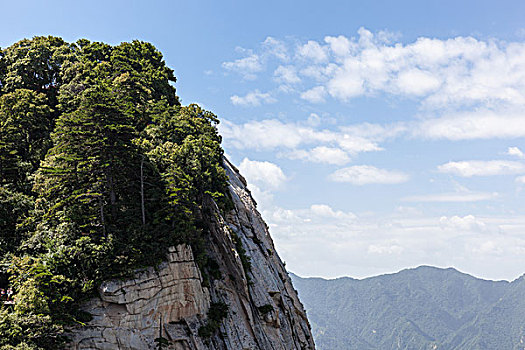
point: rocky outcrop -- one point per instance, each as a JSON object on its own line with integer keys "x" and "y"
{"x": 172, "y": 300}
{"x": 128, "y": 313}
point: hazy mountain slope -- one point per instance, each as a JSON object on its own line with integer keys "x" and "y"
{"x": 501, "y": 326}
{"x": 422, "y": 308}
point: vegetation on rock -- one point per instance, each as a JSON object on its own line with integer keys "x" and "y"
{"x": 101, "y": 170}
{"x": 216, "y": 313}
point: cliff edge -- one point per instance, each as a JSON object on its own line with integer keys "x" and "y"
{"x": 172, "y": 304}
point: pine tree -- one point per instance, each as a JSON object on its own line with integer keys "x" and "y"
{"x": 25, "y": 125}
{"x": 89, "y": 176}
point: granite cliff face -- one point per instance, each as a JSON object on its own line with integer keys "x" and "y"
{"x": 264, "y": 311}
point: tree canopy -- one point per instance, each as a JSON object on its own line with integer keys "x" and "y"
{"x": 101, "y": 170}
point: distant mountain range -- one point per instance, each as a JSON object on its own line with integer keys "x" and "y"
{"x": 421, "y": 308}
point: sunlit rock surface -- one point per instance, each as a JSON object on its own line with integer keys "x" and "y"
{"x": 264, "y": 309}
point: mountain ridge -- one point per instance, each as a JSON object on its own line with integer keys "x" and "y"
{"x": 405, "y": 269}
{"x": 419, "y": 308}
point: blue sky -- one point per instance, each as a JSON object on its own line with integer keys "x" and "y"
{"x": 374, "y": 135}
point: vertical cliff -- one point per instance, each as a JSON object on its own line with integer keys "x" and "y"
{"x": 173, "y": 302}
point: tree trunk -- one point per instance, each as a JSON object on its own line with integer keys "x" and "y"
{"x": 142, "y": 191}
{"x": 102, "y": 216}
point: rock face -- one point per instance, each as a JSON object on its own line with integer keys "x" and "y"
{"x": 172, "y": 300}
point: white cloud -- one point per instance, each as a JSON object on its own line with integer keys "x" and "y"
{"x": 254, "y": 98}
{"x": 315, "y": 215}
{"x": 286, "y": 75}
{"x": 461, "y": 70}
{"x": 442, "y": 74}
{"x": 314, "y": 119}
{"x": 417, "y": 82}
{"x": 482, "y": 168}
{"x": 267, "y": 134}
{"x": 488, "y": 248}
{"x": 515, "y": 151}
{"x": 355, "y": 144}
{"x": 270, "y": 134}
{"x": 313, "y": 51}
{"x": 375, "y": 131}
{"x": 453, "y": 197}
{"x": 254, "y": 63}
{"x": 262, "y": 173}
{"x": 346, "y": 82}
{"x": 321, "y": 154}
{"x": 457, "y": 126}
{"x": 477, "y": 124}
{"x": 340, "y": 45}
{"x": 264, "y": 198}
{"x": 246, "y": 66}
{"x": 467, "y": 89}
{"x": 321, "y": 241}
{"x": 385, "y": 249}
{"x": 317, "y": 72}
{"x": 325, "y": 211}
{"x": 367, "y": 174}
{"x": 462, "y": 126}
{"x": 314, "y": 95}
{"x": 466, "y": 223}
{"x": 275, "y": 48}
{"x": 520, "y": 179}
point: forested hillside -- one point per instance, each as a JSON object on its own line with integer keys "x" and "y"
{"x": 101, "y": 170}
{"x": 422, "y": 308}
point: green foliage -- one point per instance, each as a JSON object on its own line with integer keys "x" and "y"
{"x": 85, "y": 176}
{"x": 25, "y": 125}
{"x": 23, "y": 331}
{"x": 14, "y": 208}
{"x": 101, "y": 170}
{"x": 162, "y": 342}
{"x": 245, "y": 259}
{"x": 265, "y": 309}
{"x": 20, "y": 346}
{"x": 34, "y": 64}
{"x": 213, "y": 269}
{"x": 185, "y": 144}
{"x": 217, "y": 312}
